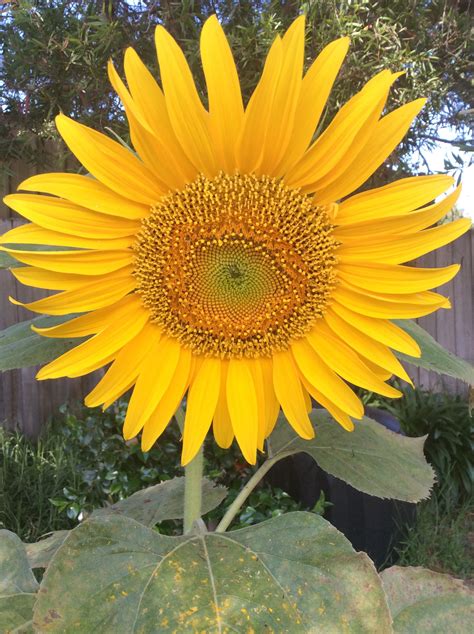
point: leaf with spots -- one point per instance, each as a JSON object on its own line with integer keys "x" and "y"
{"x": 164, "y": 501}
{"x": 289, "y": 574}
{"x": 372, "y": 459}
{"x": 40, "y": 553}
{"x": 17, "y": 585}
{"x": 424, "y": 601}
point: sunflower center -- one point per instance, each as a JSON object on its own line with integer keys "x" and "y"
{"x": 235, "y": 265}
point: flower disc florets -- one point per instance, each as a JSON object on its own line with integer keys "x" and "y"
{"x": 235, "y": 265}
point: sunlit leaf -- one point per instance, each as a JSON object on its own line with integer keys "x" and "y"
{"x": 372, "y": 459}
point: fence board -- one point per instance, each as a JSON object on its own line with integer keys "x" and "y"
{"x": 27, "y": 404}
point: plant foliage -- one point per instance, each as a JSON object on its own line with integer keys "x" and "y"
{"x": 54, "y": 56}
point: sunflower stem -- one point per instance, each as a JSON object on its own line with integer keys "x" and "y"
{"x": 193, "y": 491}
{"x": 247, "y": 490}
{"x": 192, "y": 482}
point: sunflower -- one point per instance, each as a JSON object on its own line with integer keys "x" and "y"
{"x": 226, "y": 261}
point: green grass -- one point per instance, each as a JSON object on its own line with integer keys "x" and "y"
{"x": 442, "y": 538}
{"x": 30, "y": 475}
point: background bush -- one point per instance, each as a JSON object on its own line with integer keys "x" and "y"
{"x": 81, "y": 462}
{"x": 53, "y": 56}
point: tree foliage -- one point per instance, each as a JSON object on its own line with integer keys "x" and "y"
{"x": 53, "y": 56}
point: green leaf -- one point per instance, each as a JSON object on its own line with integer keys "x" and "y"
{"x": 20, "y": 347}
{"x": 7, "y": 262}
{"x": 433, "y": 356}
{"x": 372, "y": 459}
{"x": 163, "y": 501}
{"x": 424, "y": 601}
{"x": 17, "y": 585}
{"x": 295, "y": 573}
{"x": 40, "y": 553}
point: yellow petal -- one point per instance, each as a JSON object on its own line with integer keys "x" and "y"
{"x": 225, "y": 100}
{"x": 272, "y": 406}
{"x": 251, "y": 143}
{"x": 335, "y": 141}
{"x": 98, "y": 349}
{"x": 289, "y": 393}
{"x": 82, "y": 262}
{"x": 201, "y": 406}
{"x": 405, "y": 247}
{"x": 281, "y": 119}
{"x": 385, "y": 137}
{"x": 117, "y": 395}
{"x": 338, "y": 414}
{"x": 169, "y": 403}
{"x": 32, "y": 234}
{"x": 381, "y": 373}
{"x": 66, "y": 217}
{"x": 186, "y": 112}
{"x": 395, "y": 278}
{"x": 382, "y": 309}
{"x": 315, "y": 89}
{"x": 39, "y": 278}
{"x": 346, "y": 362}
{"x": 155, "y": 375}
{"x": 365, "y": 345}
{"x": 260, "y": 394}
{"x": 123, "y": 373}
{"x": 97, "y": 294}
{"x": 370, "y": 232}
{"x": 423, "y": 298}
{"x": 87, "y": 192}
{"x": 109, "y": 162}
{"x": 394, "y": 199}
{"x": 88, "y": 324}
{"x": 243, "y": 407}
{"x": 379, "y": 329}
{"x": 222, "y": 425}
{"x": 317, "y": 372}
{"x": 147, "y": 145}
{"x": 320, "y": 182}
{"x": 150, "y": 101}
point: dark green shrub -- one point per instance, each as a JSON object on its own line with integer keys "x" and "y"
{"x": 82, "y": 462}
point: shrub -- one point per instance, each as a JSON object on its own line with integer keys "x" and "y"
{"x": 82, "y": 462}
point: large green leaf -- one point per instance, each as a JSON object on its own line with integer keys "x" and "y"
{"x": 40, "y": 553}
{"x": 424, "y": 601}
{"x": 433, "y": 356}
{"x": 163, "y": 501}
{"x": 295, "y": 573}
{"x": 20, "y": 347}
{"x": 17, "y": 585}
{"x": 371, "y": 458}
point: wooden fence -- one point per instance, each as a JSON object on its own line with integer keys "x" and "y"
{"x": 27, "y": 404}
